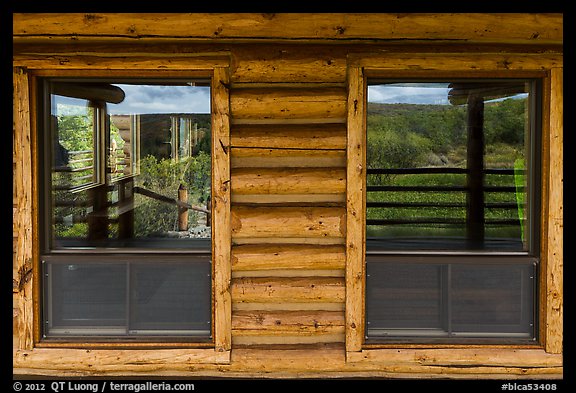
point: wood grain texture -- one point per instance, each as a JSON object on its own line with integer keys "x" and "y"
{"x": 288, "y": 290}
{"x": 287, "y": 256}
{"x": 288, "y": 222}
{"x": 248, "y": 181}
{"x": 306, "y": 323}
{"x": 24, "y": 262}
{"x": 287, "y": 158}
{"x": 378, "y": 62}
{"x": 290, "y": 136}
{"x": 355, "y": 210}
{"x": 471, "y": 28}
{"x": 288, "y": 103}
{"x": 554, "y": 307}
{"x": 221, "y": 203}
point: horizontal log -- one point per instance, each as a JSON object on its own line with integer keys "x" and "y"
{"x": 113, "y": 360}
{"x": 288, "y": 103}
{"x": 254, "y": 323}
{"x": 288, "y": 181}
{"x": 290, "y": 199}
{"x": 286, "y": 339}
{"x": 493, "y": 357}
{"x": 288, "y": 273}
{"x": 288, "y": 256}
{"x": 289, "y": 136}
{"x": 306, "y": 67}
{"x": 405, "y": 364}
{"x": 466, "y": 27}
{"x": 278, "y": 222}
{"x": 71, "y": 61}
{"x": 375, "y": 63}
{"x": 288, "y": 290}
{"x": 262, "y": 306}
{"x": 286, "y": 158}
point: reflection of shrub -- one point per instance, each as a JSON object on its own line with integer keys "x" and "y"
{"x": 389, "y": 148}
{"x": 164, "y": 177}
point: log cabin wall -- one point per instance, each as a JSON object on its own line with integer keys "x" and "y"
{"x": 288, "y": 101}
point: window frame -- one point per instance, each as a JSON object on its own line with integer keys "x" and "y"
{"x": 213, "y": 67}
{"x": 444, "y": 66}
{"x": 468, "y": 257}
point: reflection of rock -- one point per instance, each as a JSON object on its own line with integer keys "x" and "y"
{"x": 198, "y": 232}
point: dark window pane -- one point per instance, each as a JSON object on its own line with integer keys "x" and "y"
{"x": 171, "y": 298}
{"x": 86, "y": 297}
{"x": 404, "y": 299}
{"x": 493, "y": 298}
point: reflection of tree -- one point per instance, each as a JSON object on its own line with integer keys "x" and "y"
{"x": 165, "y": 176}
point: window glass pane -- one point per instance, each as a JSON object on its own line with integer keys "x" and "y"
{"x": 131, "y": 165}
{"x": 448, "y": 165}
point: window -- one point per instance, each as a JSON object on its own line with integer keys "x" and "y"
{"x": 126, "y": 245}
{"x": 452, "y": 246}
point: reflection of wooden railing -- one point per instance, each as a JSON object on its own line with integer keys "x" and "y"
{"x": 172, "y": 201}
{"x": 441, "y": 204}
{"x": 81, "y": 168}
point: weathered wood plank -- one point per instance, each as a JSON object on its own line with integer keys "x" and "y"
{"x": 22, "y": 155}
{"x": 377, "y": 62}
{"x": 127, "y": 360}
{"x": 323, "y": 361}
{"x": 248, "y": 181}
{"x": 554, "y": 307}
{"x": 261, "y": 323}
{"x": 279, "y": 222}
{"x": 71, "y": 61}
{"x": 286, "y": 339}
{"x": 286, "y": 158}
{"x": 290, "y": 199}
{"x": 355, "y": 210}
{"x": 283, "y": 256}
{"x": 221, "y": 215}
{"x": 290, "y": 136}
{"x": 299, "y": 66}
{"x": 259, "y": 306}
{"x": 288, "y": 290}
{"x": 492, "y": 357}
{"x": 288, "y": 103}
{"x": 476, "y": 27}
{"x": 288, "y": 273}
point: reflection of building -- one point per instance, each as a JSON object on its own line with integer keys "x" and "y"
{"x": 162, "y": 135}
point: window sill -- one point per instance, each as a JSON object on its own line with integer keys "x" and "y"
{"x": 468, "y": 360}
{"x": 120, "y": 361}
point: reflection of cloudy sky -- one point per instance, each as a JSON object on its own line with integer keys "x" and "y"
{"x": 409, "y": 93}
{"x": 162, "y": 99}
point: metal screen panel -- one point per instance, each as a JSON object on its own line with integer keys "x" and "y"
{"x": 87, "y": 297}
{"x": 465, "y": 297}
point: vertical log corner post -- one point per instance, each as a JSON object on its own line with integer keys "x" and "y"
{"x": 355, "y": 212}
{"x": 552, "y": 276}
{"x": 23, "y": 219}
{"x": 221, "y": 228}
